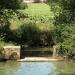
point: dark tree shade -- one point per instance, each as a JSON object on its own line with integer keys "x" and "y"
{"x": 10, "y": 4}
{"x": 7, "y": 8}
{"x": 68, "y": 4}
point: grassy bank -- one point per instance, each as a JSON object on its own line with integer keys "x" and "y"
{"x": 36, "y": 12}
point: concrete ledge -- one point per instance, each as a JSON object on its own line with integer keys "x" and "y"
{"x": 11, "y": 47}
{"x": 39, "y": 59}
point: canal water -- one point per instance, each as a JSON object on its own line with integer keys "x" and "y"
{"x": 37, "y": 68}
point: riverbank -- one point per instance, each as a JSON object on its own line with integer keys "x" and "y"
{"x": 39, "y": 59}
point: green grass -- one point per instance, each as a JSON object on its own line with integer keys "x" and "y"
{"x": 2, "y": 43}
{"x": 39, "y": 9}
{"x": 36, "y": 12}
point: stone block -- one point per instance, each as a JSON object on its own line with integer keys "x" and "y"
{"x": 10, "y": 52}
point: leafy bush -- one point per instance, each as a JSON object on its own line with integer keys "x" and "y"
{"x": 35, "y": 34}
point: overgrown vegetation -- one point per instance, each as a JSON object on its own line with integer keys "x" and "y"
{"x": 8, "y": 9}
{"x": 39, "y": 24}
{"x": 34, "y": 27}
{"x": 65, "y": 24}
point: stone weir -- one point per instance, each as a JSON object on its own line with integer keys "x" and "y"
{"x": 10, "y": 53}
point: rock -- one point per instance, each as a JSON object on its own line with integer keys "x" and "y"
{"x": 10, "y": 52}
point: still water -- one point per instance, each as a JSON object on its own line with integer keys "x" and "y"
{"x": 37, "y": 68}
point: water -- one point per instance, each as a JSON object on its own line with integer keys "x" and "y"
{"x": 37, "y": 68}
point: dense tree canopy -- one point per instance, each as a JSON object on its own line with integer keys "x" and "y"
{"x": 60, "y": 31}
{"x": 10, "y": 4}
{"x": 64, "y": 11}
{"x": 8, "y": 8}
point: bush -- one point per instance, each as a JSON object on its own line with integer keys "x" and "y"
{"x": 35, "y": 34}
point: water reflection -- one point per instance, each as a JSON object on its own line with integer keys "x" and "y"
{"x": 37, "y": 68}
{"x": 9, "y": 68}
{"x": 65, "y": 67}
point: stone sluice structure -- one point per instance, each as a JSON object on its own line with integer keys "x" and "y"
{"x": 9, "y": 52}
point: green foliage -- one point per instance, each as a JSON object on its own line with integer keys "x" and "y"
{"x": 3, "y": 43}
{"x": 32, "y": 28}
{"x": 68, "y": 5}
{"x": 10, "y": 4}
{"x": 64, "y": 23}
{"x": 35, "y": 34}
{"x": 39, "y": 12}
{"x": 68, "y": 11}
{"x": 7, "y": 11}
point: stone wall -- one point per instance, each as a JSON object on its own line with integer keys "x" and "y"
{"x": 10, "y": 52}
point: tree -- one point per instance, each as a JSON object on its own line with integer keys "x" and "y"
{"x": 8, "y": 8}
{"x": 10, "y": 4}
{"x": 64, "y": 11}
{"x": 68, "y": 7}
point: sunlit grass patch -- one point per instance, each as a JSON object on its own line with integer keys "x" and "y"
{"x": 37, "y": 12}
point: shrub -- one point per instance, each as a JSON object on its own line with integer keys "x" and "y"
{"x": 35, "y": 34}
